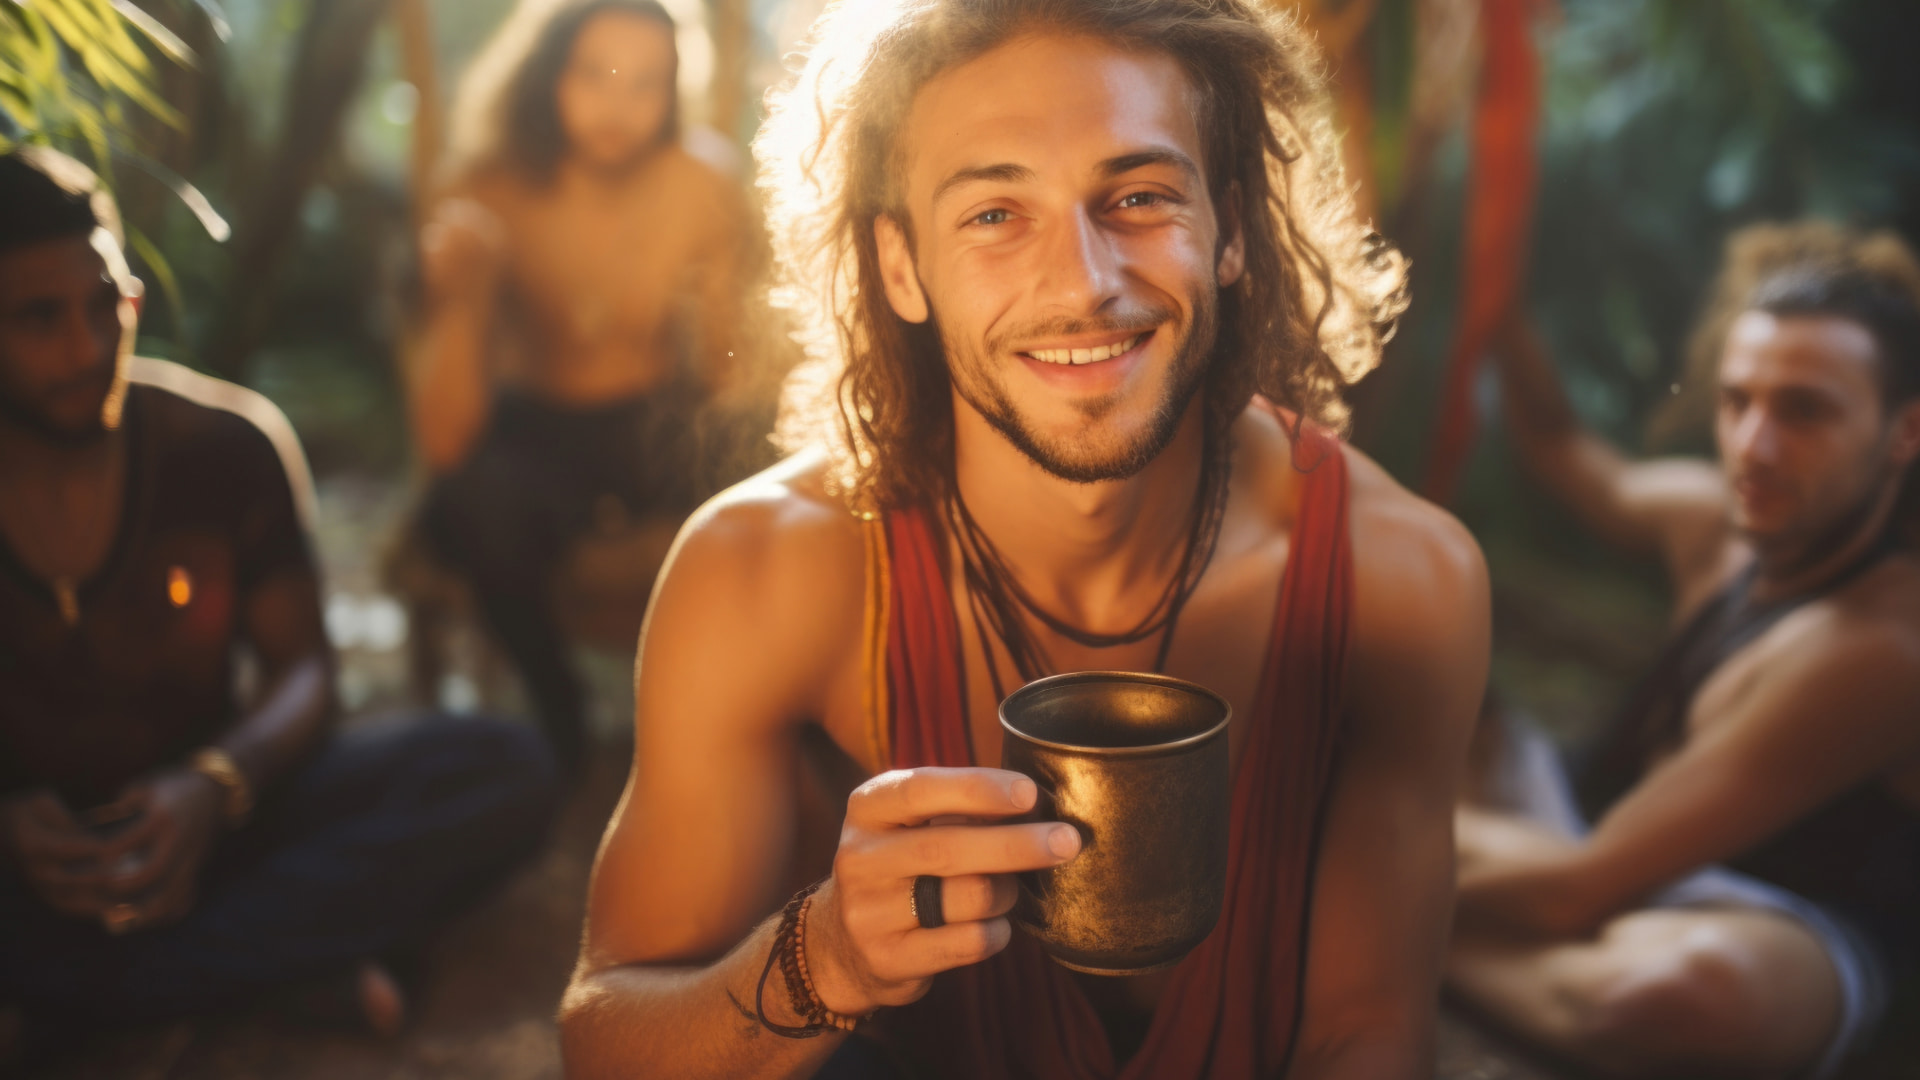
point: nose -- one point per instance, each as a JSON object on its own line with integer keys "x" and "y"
{"x": 89, "y": 339}
{"x": 1082, "y": 271}
{"x": 1756, "y": 437}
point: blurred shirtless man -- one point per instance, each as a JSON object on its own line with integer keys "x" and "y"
{"x": 582, "y": 300}
{"x": 1057, "y": 257}
{"x": 1775, "y": 735}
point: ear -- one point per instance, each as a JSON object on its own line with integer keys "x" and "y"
{"x": 1232, "y": 261}
{"x": 897, "y": 274}
{"x": 1905, "y": 436}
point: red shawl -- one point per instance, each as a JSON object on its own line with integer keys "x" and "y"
{"x": 1232, "y": 1006}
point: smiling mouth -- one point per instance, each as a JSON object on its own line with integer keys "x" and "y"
{"x": 1075, "y": 357}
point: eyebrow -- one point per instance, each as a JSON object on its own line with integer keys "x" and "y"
{"x": 1005, "y": 173}
{"x": 1010, "y": 173}
{"x": 1127, "y": 163}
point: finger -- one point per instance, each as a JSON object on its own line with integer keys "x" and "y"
{"x": 39, "y": 844}
{"x": 955, "y": 850}
{"x": 968, "y": 898}
{"x": 133, "y": 877}
{"x": 72, "y": 875}
{"x": 150, "y": 830}
{"x": 80, "y": 903}
{"x": 925, "y": 953}
{"x": 132, "y": 803}
{"x": 915, "y": 796}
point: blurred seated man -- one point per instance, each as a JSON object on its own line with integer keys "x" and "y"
{"x": 582, "y": 301}
{"x": 164, "y": 847}
{"x": 1752, "y": 880}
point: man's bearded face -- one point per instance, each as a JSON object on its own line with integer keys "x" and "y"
{"x": 1100, "y": 450}
{"x": 1804, "y": 431}
{"x": 1065, "y": 245}
{"x": 63, "y": 322}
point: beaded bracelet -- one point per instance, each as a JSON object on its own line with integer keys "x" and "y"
{"x": 790, "y": 952}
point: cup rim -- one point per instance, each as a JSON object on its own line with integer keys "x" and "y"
{"x": 1050, "y": 681}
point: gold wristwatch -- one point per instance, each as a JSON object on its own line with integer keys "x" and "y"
{"x": 218, "y": 766}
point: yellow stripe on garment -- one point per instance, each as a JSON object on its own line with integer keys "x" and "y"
{"x": 874, "y": 646}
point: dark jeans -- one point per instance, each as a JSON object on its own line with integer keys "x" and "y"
{"x": 536, "y": 483}
{"x": 388, "y": 831}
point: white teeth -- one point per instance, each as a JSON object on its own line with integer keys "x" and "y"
{"x": 1085, "y": 356}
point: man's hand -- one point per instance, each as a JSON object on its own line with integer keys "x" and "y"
{"x": 463, "y": 252}
{"x": 67, "y": 864}
{"x": 179, "y": 813}
{"x": 864, "y": 945}
{"x": 1515, "y": 875}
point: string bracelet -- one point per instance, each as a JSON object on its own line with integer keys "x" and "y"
{"x": 790, "y": 952}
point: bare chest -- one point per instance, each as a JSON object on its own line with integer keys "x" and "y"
{"x": 1221, "y": 641}
{"x": 62, "y": 529}
{"x": 589, "y": 273}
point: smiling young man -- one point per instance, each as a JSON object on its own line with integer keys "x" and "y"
{"x": 1047, "y": 253}
{"x": 1775, "y": 734}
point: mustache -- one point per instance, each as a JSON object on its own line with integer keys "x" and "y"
{"x": 95, "y": 379}
{"x": 1138, "y": 320}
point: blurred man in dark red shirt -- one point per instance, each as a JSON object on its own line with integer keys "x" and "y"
{"x": 166, "y": 846}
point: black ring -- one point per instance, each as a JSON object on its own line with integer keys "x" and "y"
{"x": 927, "y": 905}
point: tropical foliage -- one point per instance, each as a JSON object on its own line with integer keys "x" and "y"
{"x": 80, "y": 75}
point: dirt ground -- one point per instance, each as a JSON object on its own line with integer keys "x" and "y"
{"x": 486, "y": 1009}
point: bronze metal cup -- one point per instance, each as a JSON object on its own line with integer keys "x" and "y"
{"x": 1137, "y": 763}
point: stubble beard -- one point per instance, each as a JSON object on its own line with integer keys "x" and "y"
{"x": 100, "y": 422}
{"x": 1804, "y": 543}
{"x": 1123, "y": 457}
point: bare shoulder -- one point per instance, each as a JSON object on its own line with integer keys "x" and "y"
{"x": 1421, "y": 624}
{"x": 698, "y": 184}
{"x": 1866, "y": 635}
{"x": 771, "y": 573}
{"x": 1412, "y": 560}
{"x": 1421, "y": 632}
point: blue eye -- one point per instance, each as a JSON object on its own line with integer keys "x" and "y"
{"x": 991, "y": 217}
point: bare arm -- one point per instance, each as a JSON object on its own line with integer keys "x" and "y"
{"x": 741, "y": 646}
{"x": 284, "y": 626}
{"x": 463, "y": 257}
{"x": 1832, "y": 717}
{"x": 1674, "y": 508}
{"x": 1383, "y": 887}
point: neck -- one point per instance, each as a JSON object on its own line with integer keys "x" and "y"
{"x": 1791, "y": 570}
{"x": 1095, "y": 554}
{"x": 28, "y": 455}
{"x": 604, "y": 179}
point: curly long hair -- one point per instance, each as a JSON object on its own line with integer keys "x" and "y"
{"x": 506, "y": 117}
{"x": 1756, "y": 257}
{"x": 1321, "y": 292}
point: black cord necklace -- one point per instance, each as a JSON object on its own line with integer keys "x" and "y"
{"x": 996, "y": 598}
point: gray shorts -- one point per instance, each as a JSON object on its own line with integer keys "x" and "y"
{"x": 1532, "y": 781}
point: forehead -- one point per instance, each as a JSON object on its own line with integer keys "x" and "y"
{"x": 1048, "y": 101}
{"x": 1818, "y": 350}
{"x": 613, "y": 38}
{"x": 51, "y": 268}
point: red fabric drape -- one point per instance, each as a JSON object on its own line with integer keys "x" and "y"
{"x": 1232, "y": 1006}
{"x": 1499, "y": 210}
